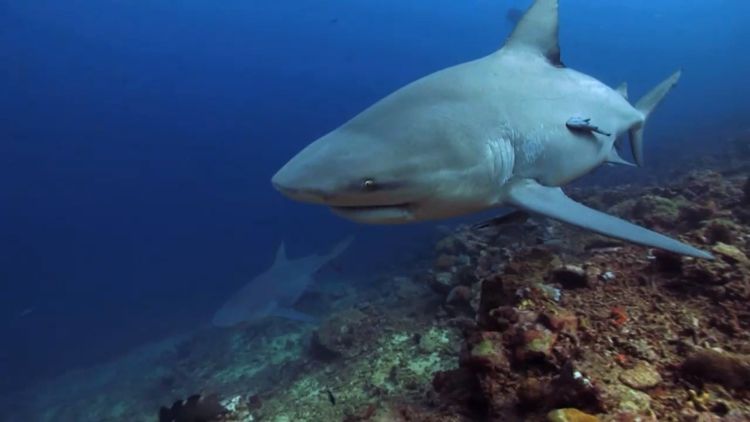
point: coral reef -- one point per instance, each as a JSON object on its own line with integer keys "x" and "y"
{"x": 535, "y": 321}
{"x": 196, "y": 408}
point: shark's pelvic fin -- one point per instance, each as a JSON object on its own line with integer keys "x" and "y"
{"x": 646, "y": 106}
{"x": 529, "y": 195}
{"x": 294, "y": 315}
{"x": 622, "y": 89}
{"x": 614, "y": 158}
{"x": 538, "y": 31}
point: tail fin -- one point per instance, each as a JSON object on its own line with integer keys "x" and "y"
{"x": 646, "y": 106}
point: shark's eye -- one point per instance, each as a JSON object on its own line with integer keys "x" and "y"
{"x": 369, "y": 185}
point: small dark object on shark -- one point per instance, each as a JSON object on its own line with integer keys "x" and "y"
{"x": 579, "y": 124}
{"x": 513, "y": 217}
{"x": 196, "y": 408}
{"x": 331, "y": 398}
{"x": 514, "y": 15}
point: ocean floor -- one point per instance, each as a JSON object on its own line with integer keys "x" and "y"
{"x": 531, "y": 321}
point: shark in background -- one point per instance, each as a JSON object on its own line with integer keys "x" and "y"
{"x": 506, "y": 130}
{"x": 275, "y": 291}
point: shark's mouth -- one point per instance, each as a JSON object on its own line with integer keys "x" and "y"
{"x": 377, "y": 214}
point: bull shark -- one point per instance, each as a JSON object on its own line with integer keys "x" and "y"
{"x": 275, "y": 291}
{"x": 506, "y": 130}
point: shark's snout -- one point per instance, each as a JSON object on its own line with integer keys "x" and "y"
{"x": 297, "y": 188}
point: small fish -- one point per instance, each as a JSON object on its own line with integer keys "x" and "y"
{"x": 331, "y": 398}
{"x": 513, "y": 217}
{"x": 27, "y": 312}
{"x": 580, "y": 124}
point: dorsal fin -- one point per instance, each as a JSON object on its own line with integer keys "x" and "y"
{"x": 622, "y": 89}
{"x": 538, "y": 31}
{"x": 281, "y": 253}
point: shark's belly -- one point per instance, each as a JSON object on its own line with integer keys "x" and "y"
{"x": 550, "y": 152}
{"x": 554, "y": 157}
{"x": 532, "y": 105}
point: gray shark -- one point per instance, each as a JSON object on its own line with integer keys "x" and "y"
{"x": 508, "y": 129}
{"x": 274, "y": 292}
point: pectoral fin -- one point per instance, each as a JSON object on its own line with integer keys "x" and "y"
{"x": 295, "y": 315}
{"x": 529, "y": 195}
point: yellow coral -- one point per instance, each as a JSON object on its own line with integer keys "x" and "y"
{"x": 699, "y": 401}
{"x": 570, "y": 415}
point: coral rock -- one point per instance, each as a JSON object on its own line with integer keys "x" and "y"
{"x": 728, "y": 369}
{"x": 459, "y": 387}
{"x": 730, "y": 253}
{"x": 541, "y": 291}
{"x": 495, "y": 293}
{"x": 340, "y": 335}
{"x": 465, "y": 275}
{"x": 656, "y": 210}
{"x": 459, "y": 302}
{"x": 445, "y": 262}
{"x": 632, "y": 417}
{"x": 626, "y": 399}
{"x": 449, "y": 245}
{"x": 460, "y": 295}
{"x": 560, "y": 321}
{"x": 570, "y": 415}
{"x": 667, "y": 262}
{"x": 195, "y": 408}
{"x": 438, "y": 340}
{"x": 570, "y": 389}
{"x": 694, "y": 214}
{"x": 722, "y": 230}
{"x": 443, "y": 282}
{"x": 640, "y": 377}
{"x": 570, "y": 277}
{"x": 535, "y": 343}
{"x": 533, "y": 394}
{"x": 501, "y": 318}
{"x": 485, "y": 351}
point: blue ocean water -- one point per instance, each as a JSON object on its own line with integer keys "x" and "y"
{"x": 137, "y": 140}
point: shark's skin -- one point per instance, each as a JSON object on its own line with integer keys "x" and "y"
{"x": 274, "y": 292}
{"x": 482, "y": 134}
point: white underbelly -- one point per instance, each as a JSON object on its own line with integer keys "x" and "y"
{"x": 559, "y": 160}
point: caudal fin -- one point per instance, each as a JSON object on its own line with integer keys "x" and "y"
{"x": 646, "y": 106}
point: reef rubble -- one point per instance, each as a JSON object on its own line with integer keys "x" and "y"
{"x": 557, "y": 324}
